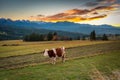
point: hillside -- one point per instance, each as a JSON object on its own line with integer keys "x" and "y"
{"x": 17, "y": 29}
{"x": 82, "y": 28}
{"x": 9, "y": 32}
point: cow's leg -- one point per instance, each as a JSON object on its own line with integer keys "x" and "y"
{"x": 54, "y": 60}
{"x": 51, "y": 60}
{"x": 63, "y": 58}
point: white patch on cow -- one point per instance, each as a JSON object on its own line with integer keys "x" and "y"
{"x": 63, "y": 49}
{"x": 46, "y": 52}
{"x": 54, "y": 50}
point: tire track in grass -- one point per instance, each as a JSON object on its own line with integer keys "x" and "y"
{"x": 96, "y": 74}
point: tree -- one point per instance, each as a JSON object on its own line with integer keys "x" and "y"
{"x": 104, "y": 37}
{"x": 49, "y": 36}
{"x": 34, "y": 37}
{"x": 26, "y": 38}
{"x": 42, "y": 37}
{"x": 83, "y": 37}
{"x": 55, "y": 36}
{"x": 70, "y": 38}
{"x": 55, "y": 33}
{"x": 93, "y": 35}
{"x": 78, "y": 37}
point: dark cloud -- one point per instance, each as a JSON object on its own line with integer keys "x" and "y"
{"x": 103, "y": 8}
{"x": 40, "y": 15}
{"x": 95, "y": 13}
{"x": 91, "y": 3}
{"x": 106, "y": 1}
{"x": 100, "y": 2}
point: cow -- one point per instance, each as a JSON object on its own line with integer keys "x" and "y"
{"x": 54, "y": 53}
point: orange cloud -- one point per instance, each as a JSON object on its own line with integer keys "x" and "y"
{"x": 97, "y": 17}
{"x": 76, "y": 15}
{"x": 77, "y": 11}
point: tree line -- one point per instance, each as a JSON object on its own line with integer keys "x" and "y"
{"x": 45, "y": 37}
{"x": 53, "y": 36}
{"x": 93, "y": 36}
{"x": 38, "y": 37}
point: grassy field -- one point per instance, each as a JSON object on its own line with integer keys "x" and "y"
{"x": 18, "y": 47}
{"x": 85, "y": 60}
{"x": 100, "y": 67}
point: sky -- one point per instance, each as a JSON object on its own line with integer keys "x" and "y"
{"x": 95, "y": 12}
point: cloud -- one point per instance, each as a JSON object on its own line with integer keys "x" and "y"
{"x": 78, "y": 15}
{"x": 106, "y": 1}
{"x": 104, "y": 8}
{"x": 41, "y": 15}
{"x": 91, "y": 3}
{"x": 99, "y": 3}
{"x": 115, "y": 5}
{"x": 77, "y": 11}
{"x": 98, "y": 17}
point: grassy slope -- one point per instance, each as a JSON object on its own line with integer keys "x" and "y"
{"x": 101, "y": 66}
{"x": 24, "y": 48}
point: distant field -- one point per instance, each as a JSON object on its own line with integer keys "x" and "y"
{"x": 18, "y": 47}
{"x": 85, "y": 60}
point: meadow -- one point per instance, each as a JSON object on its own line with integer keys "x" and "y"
{"x": 19, "y": 47}
{"x": 85, "y": 60}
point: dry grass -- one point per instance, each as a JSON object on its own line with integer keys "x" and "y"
{"x": 23, "y": 48}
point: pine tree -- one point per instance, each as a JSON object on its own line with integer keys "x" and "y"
{"x": 55, "y": 36}
{"x": 34, "y": 37}
{"x": 50, "y": 36}
{"x": 93, "y": 35}
{"x": 41, "y": 37}
{"x": 104, "y": 37}
{"x": 78, "y": 37}
{"x": 83, "y": 37}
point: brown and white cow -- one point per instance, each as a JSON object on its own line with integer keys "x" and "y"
{"x": 54, "y": 53}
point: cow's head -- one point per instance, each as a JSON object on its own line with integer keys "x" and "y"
{"x": 46, "y": 52}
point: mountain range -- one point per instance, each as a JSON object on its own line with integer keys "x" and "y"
{"x": 22, "y": 27}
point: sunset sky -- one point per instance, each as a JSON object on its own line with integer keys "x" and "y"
{"x": 95, "y": 12}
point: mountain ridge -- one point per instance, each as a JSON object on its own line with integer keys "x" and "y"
{"x": 62, "y": 26}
